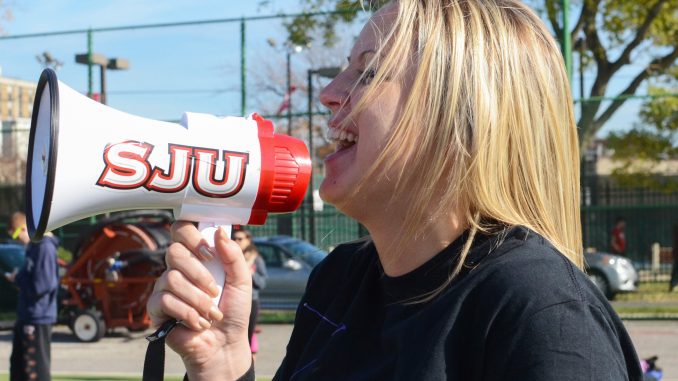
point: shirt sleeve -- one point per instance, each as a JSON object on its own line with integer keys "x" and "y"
{"x": 260, "y": 274}
{"x": 567, "y": 341}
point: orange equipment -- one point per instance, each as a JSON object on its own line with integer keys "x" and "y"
{"x": 113, "y": 271}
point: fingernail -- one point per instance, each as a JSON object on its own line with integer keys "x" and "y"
{"x": 206, "y": 253}
{"x": 204, "y": 323}
{"x": 215, "y": 290}
{"x": 223, "y": 232}
{"x": 215, "y": 314}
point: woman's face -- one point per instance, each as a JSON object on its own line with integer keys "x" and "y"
{"x": 241, "y": 239}
{"x": 361, "y": 139}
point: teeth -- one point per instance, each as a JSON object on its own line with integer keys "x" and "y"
{"x": 341, "y": 136}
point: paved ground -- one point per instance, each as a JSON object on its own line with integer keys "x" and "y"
{"x": 123, "y": 353}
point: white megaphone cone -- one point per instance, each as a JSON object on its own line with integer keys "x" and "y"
{"x": 85, "y": 158}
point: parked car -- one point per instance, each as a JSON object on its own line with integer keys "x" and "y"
{"x": 298, "y": 248}
{"x": 289, "y": 262}
{"x": 611, "y": 273}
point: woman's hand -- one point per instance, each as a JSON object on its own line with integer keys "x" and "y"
{"x": 212, "y": 341}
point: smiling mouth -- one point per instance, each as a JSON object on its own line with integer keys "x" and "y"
{"x": 341, "y": 138}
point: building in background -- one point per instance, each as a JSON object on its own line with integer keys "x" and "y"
{"x": 16, "y": 105}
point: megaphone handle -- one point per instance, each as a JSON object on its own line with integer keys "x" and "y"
{"x": 215, "y": 267}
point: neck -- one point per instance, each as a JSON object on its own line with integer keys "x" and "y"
{"x": 401, "y": 257}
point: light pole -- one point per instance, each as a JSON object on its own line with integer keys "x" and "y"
{"x": 104, "y": 63}
{"x": 291, "y": 49}
{"x": 285, "y": 220}
{"x": 326, "y": 72}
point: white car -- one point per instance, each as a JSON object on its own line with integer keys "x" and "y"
{"x": 611, "y": 273}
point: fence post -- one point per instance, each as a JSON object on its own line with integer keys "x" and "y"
{"x": 243, "y": 70}
{"x": 656, "y": 248}
{"x": 674, "y": 270}
{"x": 89, "y": 63}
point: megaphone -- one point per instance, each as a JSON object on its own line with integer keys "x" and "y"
{"x": 85, "y": 159}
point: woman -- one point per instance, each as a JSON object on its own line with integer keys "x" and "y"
{"x": 257, "y": 267}
{"x": 457, "y": 150}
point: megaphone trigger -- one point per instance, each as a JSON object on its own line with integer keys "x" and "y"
{"x": 214, "y": 265}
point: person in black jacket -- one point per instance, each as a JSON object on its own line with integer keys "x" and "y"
{"x": 38, "y": 283}
{"x": 457, "y": 149}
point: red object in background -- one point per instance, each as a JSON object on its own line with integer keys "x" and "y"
{"x": 96, "y": 97}
{"x": 286, "y": 101}
{"x": 620, "y": 240}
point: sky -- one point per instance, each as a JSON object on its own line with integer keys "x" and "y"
{"x": 177, "y": 69}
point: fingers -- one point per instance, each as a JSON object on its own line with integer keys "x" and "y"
{"x": 163, "y": 305}
{"x": 175, "y": 282}
{"x": 186, "y": 233}
{"x": 180, "y": 258}
{"x": 186, "y": 289}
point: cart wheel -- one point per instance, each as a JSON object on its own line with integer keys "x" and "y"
{"x": 88, "y": 327}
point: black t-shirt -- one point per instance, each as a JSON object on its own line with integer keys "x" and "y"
{"x": 518, "y": 311}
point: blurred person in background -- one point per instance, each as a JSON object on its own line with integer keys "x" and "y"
{"x": 38, "y": 283}
{"x": 257, "y": 266}
{"x": 259, "y": 275}
{"x": 618, "y": 237}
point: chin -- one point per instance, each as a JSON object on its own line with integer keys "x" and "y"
{"x": 344, "y": 200}
{"x": 332, "y": 193}
{"x": 328, "y": 192}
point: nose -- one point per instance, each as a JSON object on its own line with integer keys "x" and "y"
{"x": 334, "y": 95}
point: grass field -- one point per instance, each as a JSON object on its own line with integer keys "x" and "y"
{"x": 650, "y": 292}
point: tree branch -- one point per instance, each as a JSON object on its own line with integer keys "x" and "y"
{"x": 657, "y": 65}
{"x": 593, "y": 41}
{"x": 580, "y": 22}
{"x": 639, "y": 37}
{"x": 552, "y": 14}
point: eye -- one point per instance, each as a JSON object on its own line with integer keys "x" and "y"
{"x": 367, "y": 76}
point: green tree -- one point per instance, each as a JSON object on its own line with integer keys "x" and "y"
{"x": 609, "y": 34}
{"x": 642, "y": 150}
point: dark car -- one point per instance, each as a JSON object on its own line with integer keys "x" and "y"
{"x": 611, "y": 273}
{"x": 289, "y": 262}
{"x": 298, "y": 248}
{"x": 12, "y": 256}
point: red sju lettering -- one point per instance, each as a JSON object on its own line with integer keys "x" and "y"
{"x": 127, "y": 167}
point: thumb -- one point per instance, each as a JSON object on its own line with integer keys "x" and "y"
{"x": 237, "y": 272}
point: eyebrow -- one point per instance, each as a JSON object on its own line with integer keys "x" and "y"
{"x": 362, "y": 54}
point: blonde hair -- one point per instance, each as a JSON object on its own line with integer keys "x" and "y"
{"x": 489, "y": 120}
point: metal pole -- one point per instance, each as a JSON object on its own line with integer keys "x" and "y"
{"x": 285, "y": 220}
{"x": 582, "y": 84}
{"x": 243, "y": 78}
{"x": 102, "y": 96}
{"x": 89, "y": 63}
{"x": 90, "y": 51}
{"x": 567, "y": 40}
{"x": 311, "y": 213}
{"x": 289, "y": 94}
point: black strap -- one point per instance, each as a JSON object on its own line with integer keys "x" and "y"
{"x": 154, "y": 364}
